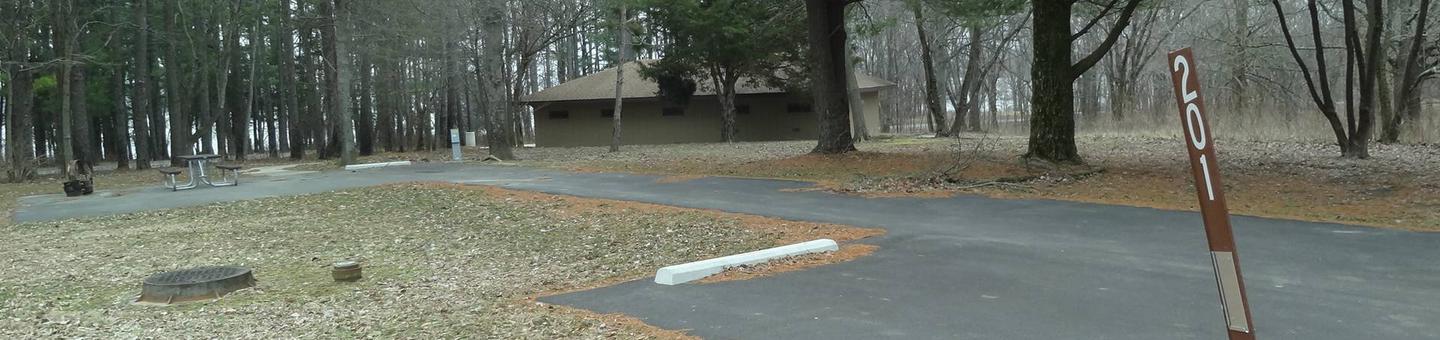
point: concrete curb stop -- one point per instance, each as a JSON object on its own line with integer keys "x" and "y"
{"x": 374, "y": 165}
{"x": 682, "y": 273}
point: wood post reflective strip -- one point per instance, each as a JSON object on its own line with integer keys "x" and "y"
{"x": 1199, "y": 142}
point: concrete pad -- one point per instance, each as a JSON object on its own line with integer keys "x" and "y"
{"x": 277, "y": 170}
{"x": 353, "y": 167}
{"x": 682, "y": 273}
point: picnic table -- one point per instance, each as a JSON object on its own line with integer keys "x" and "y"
{"x": 229, "y": 175}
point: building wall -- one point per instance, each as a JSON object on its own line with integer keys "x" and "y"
{"x": 644, "y": 123}
{"x": 872, "y": 112}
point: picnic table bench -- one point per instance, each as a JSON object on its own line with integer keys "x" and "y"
{"x": 229, "y": 173}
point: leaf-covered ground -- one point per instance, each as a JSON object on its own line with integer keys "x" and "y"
{"x": 440, "y": 261}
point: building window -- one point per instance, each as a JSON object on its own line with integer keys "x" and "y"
{"x": 742, "y": 109}
{"x": 607, "y": 113}
{"x": 559, "y": 114}
{"x": 798, "y": 108}
{"x": 672, "y": 111}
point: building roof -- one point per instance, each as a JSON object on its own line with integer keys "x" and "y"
{"x": 601, "y": 85}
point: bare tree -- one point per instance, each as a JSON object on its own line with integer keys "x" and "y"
{"x": 1052, "y": 128}
{"x": 1354, "y": 137}
{"x": 1141, "y": 41}
{"x": 932, "y": 93}
{"x": 966, "y": 118}
{"x": 1407, "y": 97}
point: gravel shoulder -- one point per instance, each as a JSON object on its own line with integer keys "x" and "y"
{"x": 440, "y": 260}
{"x": 1398, "y": 188}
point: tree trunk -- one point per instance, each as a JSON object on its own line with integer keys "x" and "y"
{"x": 365, "y": 126}
{"x": 1017, "y": 98}
{"x": 1122, "y": 96}
{"x": 180, "y": 131}
{"x": 932, "y": 94}
{"x": 965, "y": 117}
{"x": 258, "y": 124}
{"x": 206, "y": 105}
{"x": 496, "y": 122}
{"x": 140, "y": 94}
{"x": 120, "y": 132}
{"x": 240, "y": 124}
{"x": 1052, "y": 126}
{"x": 724, "y": 81}
{"x": 446, "y": 120}
{"x": 230, "y": 59}
{"x": 19, "y": 132}
{"x": 991, "y": 93}
{"x": 1385, "y": 93}
{"x": 1239, "y": 55}
{"x": 388, "y": 104}
{"x": 312, "y": 117}
{"x": 285, "y": 56}
{"x": 272, "y": 136}
{"x": 288, "y": 89}
{"x": 61, "y": 12}
{"x": 518, "y": 89}
{"x": 4, "y": 109}
{"x": 972, "y": 107}
{"x": 1407, "y": 95}
{"x": 337, "y": 57}
{"x": 1089, "y": 97}
{"x": 827, "y": 40}
{"x": 624, "y": 31}
{"x": 322, "y": 70}
{"x": 1368, "y": 71}
{"x": 84, "y": 142}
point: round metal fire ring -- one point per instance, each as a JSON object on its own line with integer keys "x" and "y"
{"x": 195, "y": 284}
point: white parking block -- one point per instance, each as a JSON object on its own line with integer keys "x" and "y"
{"x": 375, "y": 165}
{"x": 692, "y": 271}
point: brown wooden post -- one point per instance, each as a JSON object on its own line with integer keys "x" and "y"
{"x": 1200, "y": 144}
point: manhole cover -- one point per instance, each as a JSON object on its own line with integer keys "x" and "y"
{"x": 195, "y": 284}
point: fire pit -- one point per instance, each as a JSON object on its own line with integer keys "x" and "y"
{"x": 195, "y": 284}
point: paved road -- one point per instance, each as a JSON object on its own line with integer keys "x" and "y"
{"x": 964, "y": 267}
